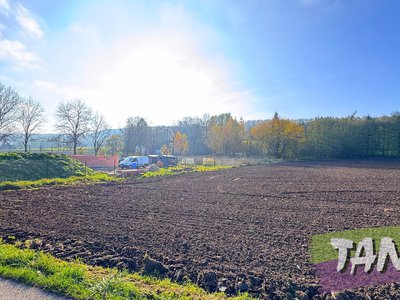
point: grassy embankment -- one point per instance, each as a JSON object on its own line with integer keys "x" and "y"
{"x": 80, "y": 281}
{"x": 33, "y": 170}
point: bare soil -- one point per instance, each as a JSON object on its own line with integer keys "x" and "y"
{"x": 244, "y": 229}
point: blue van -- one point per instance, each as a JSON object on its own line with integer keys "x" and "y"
{"x": 134, "y": 162}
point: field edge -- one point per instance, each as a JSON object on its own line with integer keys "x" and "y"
{"x": 80, "y": 281}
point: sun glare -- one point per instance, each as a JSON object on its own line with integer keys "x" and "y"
{"x": 155, "y": 77}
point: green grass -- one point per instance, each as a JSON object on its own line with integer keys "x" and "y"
{"x": 183, "y": 169}
{"x": 34, "y": 170}
{"x": 34, "y": 166}
{"x": 322, "y": 250}
{"x": 80, "y": 281}
{"x": 73, "y": 180}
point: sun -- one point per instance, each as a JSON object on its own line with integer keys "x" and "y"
{"x": 161, "y": 82}
{"x": 159, "y": 79}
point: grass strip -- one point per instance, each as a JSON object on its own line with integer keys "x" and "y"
{"x": 73, "y": 180}
{"x": 101, "y": 177}
{"x": 80, "y": 281}
{"x": 183, "y": 169}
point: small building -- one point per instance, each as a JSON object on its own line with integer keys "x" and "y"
{"x": 162, "y": 161}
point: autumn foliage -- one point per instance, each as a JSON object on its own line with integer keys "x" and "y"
{"x": 278, "y": 137}
{"x": 226, "y": 135}
{"x": 181, "y": 144}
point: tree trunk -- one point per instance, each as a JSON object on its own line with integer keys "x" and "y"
{"x": 26, "y": 141}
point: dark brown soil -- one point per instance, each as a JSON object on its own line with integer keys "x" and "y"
{"x": 244, "y": 229}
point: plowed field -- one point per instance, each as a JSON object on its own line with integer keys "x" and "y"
{"x": 243, "y": 229}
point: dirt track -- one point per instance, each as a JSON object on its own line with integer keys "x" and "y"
{"x": 242, "y": 229}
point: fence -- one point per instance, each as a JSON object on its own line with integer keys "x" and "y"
{"x": 35, "y": 166}
{"x": 98, "y": 162}
{"x": 53, "y": 150}
{"x": 219, "y": 160}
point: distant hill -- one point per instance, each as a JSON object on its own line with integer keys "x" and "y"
{"x": 47, "y": 141}
{"x": 34, "y": 166}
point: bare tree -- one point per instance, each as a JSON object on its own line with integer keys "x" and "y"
{"x": 136, "y": 135}
{"x": 73, "y": 121}
{"x": 9, "y": 101}
{"x": 100, "y": 131}
{"x": 114, "y": 143}
{"x": 192, "y": 127}
{"x": 30, "y": 118}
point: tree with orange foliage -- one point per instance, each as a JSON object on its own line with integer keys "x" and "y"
{"x": 278, "y": 137}
{"x": 181, "y": 144}
{"x": 165, "y": 150}
{"x": 225, "y": 135}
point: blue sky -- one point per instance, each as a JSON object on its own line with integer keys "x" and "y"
{"x": 167, "y": 59}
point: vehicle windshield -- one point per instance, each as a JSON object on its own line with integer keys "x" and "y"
{"x": 129, "y": 159}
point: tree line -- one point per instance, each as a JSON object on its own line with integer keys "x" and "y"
{"x": 21, "y": 118}
{"x": 317, "y": 138}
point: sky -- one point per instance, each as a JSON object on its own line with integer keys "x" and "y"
{"x": 164, "y": 60}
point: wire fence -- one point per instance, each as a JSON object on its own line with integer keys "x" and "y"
{"x": 220, "y": 160}
{"x": 34, "y": 166}
{"x": 53, "y": 150}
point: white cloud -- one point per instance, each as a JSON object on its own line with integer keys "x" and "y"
{"x": 260, "y": 115}
{"x": 45, "y": 85}
{"x": 15, "y": 51}
{"x": 78, "y": 27}
{"x": 5, "y": 7}
{"x": 28, "y": 22}
{"x": 161, "y": 72}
